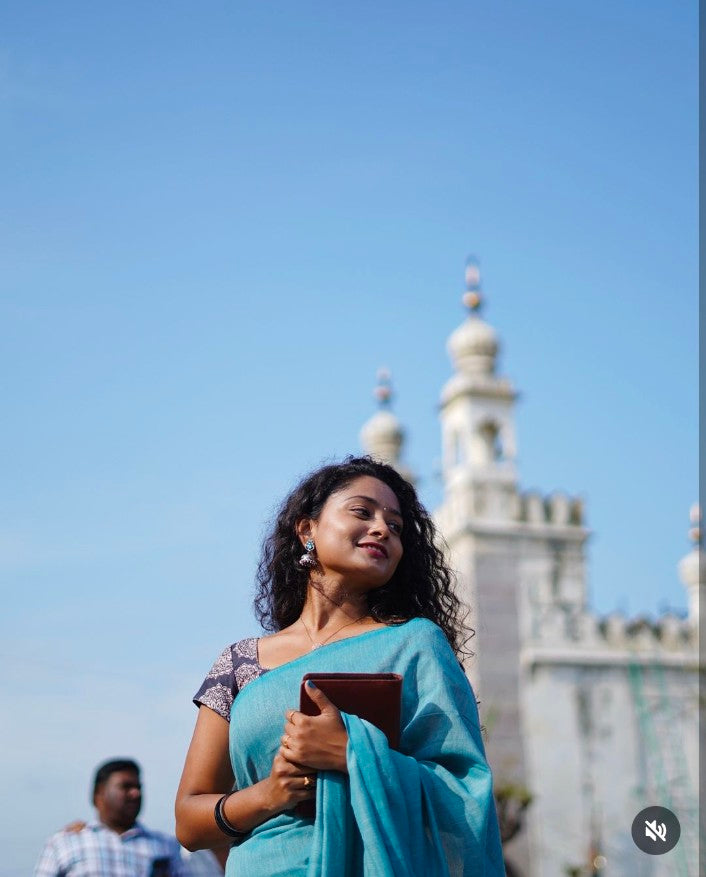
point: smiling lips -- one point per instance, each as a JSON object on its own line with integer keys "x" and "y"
{"x": 374, "y": 549}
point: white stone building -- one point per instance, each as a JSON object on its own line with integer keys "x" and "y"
{"x": 596, "y": 718}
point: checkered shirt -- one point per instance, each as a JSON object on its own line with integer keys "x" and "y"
{"x": 96, "y": 851}
{"x": 202, "y": 863}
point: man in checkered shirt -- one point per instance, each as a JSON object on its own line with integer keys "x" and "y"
{"x": 116, "y": 845}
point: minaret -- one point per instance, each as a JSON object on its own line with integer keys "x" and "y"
{"x": 691, "y": 570}
{"x": 480, "y": 512}
{"x": 477, "y": 421}
{"x": 382, "y": 436}
{"x": 482, "y": 519}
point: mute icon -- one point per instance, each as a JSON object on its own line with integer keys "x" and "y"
{"x": 656, "y": 830}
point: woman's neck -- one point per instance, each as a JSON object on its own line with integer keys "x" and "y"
{"x": 328, "y": 604}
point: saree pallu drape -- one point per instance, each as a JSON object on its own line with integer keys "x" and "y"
{"x": 424, "y": 810}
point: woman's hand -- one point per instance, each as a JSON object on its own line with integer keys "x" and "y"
{"x": 318, "y": 742}
{"x": 289, "y": 783}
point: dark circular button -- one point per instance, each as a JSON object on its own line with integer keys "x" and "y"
{"x": 655, "y": 830}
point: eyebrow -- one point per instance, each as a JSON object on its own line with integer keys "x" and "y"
{"x": 375, "y": 502}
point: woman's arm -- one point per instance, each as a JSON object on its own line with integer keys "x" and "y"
{"x": 207, "y": 776}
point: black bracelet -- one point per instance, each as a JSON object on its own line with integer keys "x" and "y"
{"x": 221, "y": 820}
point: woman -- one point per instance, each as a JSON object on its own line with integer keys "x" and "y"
{"x": 350, "y": 581}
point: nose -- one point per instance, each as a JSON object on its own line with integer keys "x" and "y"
{"x": 378, "y": 525}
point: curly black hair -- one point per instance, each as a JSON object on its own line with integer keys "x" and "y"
{"x": 421, "y": 587}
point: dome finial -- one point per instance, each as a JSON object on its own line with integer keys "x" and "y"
{"x": 474, "y": 345}
{"x": 383, "y": 388}
{"x": 382, "y": 436}
{"x": 472, "y": 297}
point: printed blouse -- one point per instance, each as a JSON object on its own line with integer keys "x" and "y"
{"x": 236, "y": 665}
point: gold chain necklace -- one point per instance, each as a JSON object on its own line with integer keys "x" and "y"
{"x": 317, "y": 645}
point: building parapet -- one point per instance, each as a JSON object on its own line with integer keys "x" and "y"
{"x": 535, "y": 656}
{"x": 667, "y": 632}
{"x": 558, "y": 509}
{"x": 504, "y": 528}
{"x": 669, "y": 636}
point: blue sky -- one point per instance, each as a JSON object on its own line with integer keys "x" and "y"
{"x": 218, "y": 220}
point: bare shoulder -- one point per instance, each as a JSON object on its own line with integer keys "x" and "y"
{"x": 280, "y": 647}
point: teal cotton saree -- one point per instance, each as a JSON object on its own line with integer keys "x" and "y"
{"x": 425, "y": 810}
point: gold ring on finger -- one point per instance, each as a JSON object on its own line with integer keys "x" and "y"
{"x": 285, "y": 742}
{"x": 308, "y": 782}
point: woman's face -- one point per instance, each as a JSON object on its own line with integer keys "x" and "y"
{"x": 357, "y": 534}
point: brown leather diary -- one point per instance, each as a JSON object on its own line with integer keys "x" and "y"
{"x": 376, "y": 697}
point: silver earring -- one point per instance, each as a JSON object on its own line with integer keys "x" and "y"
{"x": 308, "y": 560}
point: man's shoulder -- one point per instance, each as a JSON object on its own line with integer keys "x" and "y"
{"x": 74, "y": 838}
{"x": 67, "y": 838}
{"x": 55, "y": 841}
{"x": 93, "y": 833}
{"x": 64, "y": 847}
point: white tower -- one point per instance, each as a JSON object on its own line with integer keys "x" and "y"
{"x": 477, "y": 421}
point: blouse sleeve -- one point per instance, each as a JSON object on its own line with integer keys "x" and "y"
{"x": 234, "y": 668}
{"x": 219, "y": 688}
